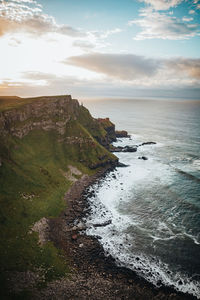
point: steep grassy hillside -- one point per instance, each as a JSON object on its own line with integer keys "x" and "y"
{"x": 39, "y": 141}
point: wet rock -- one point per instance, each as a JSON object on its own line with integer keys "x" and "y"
{"x": 143, "y": 157}
{"x": 147, "y": 143}
{"x": 103, "y": 224}
{"x": 122, "y": 134}
{"x": 159, "y": 283}
{"x": 121, "y": 165}
{"x": 124, "y": 149}
{"x": 137, "y": 258}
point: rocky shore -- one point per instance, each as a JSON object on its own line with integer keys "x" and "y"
{"x": 93, "y": 275}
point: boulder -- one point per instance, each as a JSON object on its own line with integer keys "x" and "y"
{"x": 143, "y": 157}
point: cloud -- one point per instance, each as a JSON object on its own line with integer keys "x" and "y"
{"x": 139, "y": 70}
{"x": 121, "y": 66}
{"x": 156, "y": 25}
{"x": 188, "y": 67}
{"x": 27, "y": 16}
{"x": 162, "y": 4}
{"x": 106, "y": 34}
{"x": 186, "y": 19}
{"x": 84, "y": 45}
{"x": 49, "y": 84}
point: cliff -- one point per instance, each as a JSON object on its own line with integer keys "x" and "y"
{"x": 70, "y": 122}
{"x": 46, "y": 144}
{"x": 109, "y": 127}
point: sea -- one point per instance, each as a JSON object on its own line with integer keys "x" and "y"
{"x": 153, "y": 204}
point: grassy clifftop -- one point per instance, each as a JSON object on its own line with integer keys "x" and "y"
{"x": 40, "y": 140}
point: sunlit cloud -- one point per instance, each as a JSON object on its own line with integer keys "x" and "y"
{"x": 189, "y": 67}
{"x": 156, "y": 25}
{"x": 18, "y": 17}
{"x": 39, "y": 55}
{"x": 162, "y": 4}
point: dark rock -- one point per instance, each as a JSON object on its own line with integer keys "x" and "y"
{"x": 121, "y": 165}
{"x": 122, "y": 134}
{"x": 129, "y": 149}
{"x": 103, "y": 224}
{"x": 124, "y": 149}
{"x": 143, "y": 157}
{"x": 109, "y": 127}
{"x": 147, "y": 143}
{"x": 137, "y": 258}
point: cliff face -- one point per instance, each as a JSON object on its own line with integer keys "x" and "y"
{"x": 46, "y": 113}
{"x": 109, "y": 127}
{"x": 61, "y": 114}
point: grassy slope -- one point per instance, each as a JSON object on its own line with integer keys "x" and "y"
{"x": 33, "y": 166}
{"x": 10, "y": 102}
{"x": 92, "y": 125}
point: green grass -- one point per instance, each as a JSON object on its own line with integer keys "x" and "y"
{"x": 31, "y": 167}
{"x": 10, "y": 102}
{"x": 32, "y": 186}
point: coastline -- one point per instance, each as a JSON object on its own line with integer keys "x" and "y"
{"x": 93, "y": 275}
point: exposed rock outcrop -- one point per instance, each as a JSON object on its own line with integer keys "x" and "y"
{"x": 109, "y": 127}
{"x": 47, "y": 113}
{"x": 122, "y": 134}
{"x": 123, "y": 149}
{"x": 70, "y": 122}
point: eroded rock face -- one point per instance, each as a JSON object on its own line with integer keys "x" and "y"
{"x": 47, "y": 113}
{"x": 121, "y": 134}
{"x": 71, "y": 125}
{"x": 109, "y": 127}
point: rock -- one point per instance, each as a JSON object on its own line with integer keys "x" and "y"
{"x": 143, "y": 157}
{"x": 147, "y": 143}
{"x": 122, "y": 134}
{"x": 42, "y": 227}
{"x": 103, "y": 224}
{"x": 124, "y": 149}
{"x": 109, "y": 127}
{"x": 121, "y": 165}
{"x": 129, "y": 149}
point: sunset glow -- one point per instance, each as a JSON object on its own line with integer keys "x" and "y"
{"x": 88, "y": 49}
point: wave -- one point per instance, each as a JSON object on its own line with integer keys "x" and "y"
{"x": 186, "y": 174}
{"x": 144, "y": 193}
{"x": 118, "y": 242}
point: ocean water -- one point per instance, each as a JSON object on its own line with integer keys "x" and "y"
{"x": 154, "y": 205}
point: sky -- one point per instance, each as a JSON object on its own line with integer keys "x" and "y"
{"x": 107, "y": 48}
